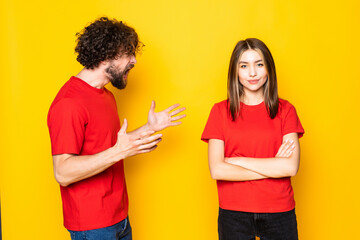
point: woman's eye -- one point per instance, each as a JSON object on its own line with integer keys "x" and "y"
{"x": 260, "y": 65}
{"x": 242, "y": 66}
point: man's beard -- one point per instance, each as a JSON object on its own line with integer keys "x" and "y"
{"x": 118, "y": 78}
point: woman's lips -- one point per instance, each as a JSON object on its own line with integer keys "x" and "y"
{"x": 253, "y": 81}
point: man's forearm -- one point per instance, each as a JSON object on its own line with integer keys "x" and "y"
{"x": 70, "y": 168}
{"x": 73, "y": 168}
{"x": 143, "y": 128}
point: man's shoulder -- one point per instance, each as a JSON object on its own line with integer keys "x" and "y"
{"x": 64, "y": 90}
{"x": 67, "y": 98}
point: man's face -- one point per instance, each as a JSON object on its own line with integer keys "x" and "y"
{"x": 118, "y": 70}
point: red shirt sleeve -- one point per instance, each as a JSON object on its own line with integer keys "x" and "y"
{"x": 213, "y": 128}
{"x": 66, "y": 122}
{"x": 291, "y": 122}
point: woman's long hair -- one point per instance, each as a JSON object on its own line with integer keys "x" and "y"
{"x": 235, "y": 88}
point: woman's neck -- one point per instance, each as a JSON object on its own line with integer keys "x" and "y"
{"x": 252, "y": 98}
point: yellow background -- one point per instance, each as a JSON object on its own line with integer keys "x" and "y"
{"x": 188, "y": 46}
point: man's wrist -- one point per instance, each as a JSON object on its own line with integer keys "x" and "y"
{"x": 116, "y": 153}
{"x": 147, "y": 127}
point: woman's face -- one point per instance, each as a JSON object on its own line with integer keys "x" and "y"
{"x": 252, "y": 72}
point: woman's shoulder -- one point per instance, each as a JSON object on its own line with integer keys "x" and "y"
{"x": 222, "y": 103}
{"x": 285, "y": 107}
{"x": 221, "y": 106}
{"x": 285, "y": 104}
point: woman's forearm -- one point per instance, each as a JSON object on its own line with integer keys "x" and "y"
{"x": 284, "y": 164}
{"x": 276, "y": 167}
{"x": 221, "y": 170}
{"x": 230, "y": 172}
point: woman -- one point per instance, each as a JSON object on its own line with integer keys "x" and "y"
{"x": 254, "y": 149}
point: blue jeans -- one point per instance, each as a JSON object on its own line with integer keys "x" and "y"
{"x": 235, "y": 225}
{"x": 119, "y": 231}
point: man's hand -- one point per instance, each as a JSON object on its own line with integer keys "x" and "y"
{"x": 158, "y": 121}
{"x": 130, "y": 145}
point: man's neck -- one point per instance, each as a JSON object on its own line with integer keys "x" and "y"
{"x": 94, "y": 77}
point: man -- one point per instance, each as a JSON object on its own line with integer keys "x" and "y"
{"x": 88, "y": 145}
{"x": 0, "y": 224}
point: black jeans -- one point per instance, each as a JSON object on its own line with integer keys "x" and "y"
{"x": 235, "y": 225}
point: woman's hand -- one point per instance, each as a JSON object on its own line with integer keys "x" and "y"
{"x": 286, "y": 149}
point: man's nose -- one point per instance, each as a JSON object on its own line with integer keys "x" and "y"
{"x": 133, "y": 60}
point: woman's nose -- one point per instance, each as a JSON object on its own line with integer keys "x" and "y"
{"x": 252, "y": 72}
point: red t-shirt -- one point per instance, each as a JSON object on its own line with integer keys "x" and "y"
{"x": 83, "y": 120}
{"x": 253, "y": 134}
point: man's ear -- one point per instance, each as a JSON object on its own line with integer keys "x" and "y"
{"x": 105, "y": 62}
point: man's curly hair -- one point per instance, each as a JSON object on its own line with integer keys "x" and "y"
{"x": 105, "y": 39}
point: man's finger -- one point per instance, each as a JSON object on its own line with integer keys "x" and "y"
{"x": 171, "y": 107}
{"x": 147, "y": 150}
{"x": 177, "y": 111}
{"x": 178, "y": 117}
{"x": 123, "y": 127}
{"x": 175, "y": 123}
{"x": 149, "y": 139}
{"x": 152, "y": 107}
{"x": 149, "y": 145}
{"x": 144, "y": 134}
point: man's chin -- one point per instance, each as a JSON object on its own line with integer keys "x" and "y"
{"x": 119, "y": 86}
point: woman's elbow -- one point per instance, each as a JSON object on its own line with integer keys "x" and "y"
{"x": 61, "y": 180}
{"x": 214, "y": 173}
{"x": 293, "y": 170}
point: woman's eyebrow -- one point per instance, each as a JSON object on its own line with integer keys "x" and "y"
{"x": 260, "y": 60}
